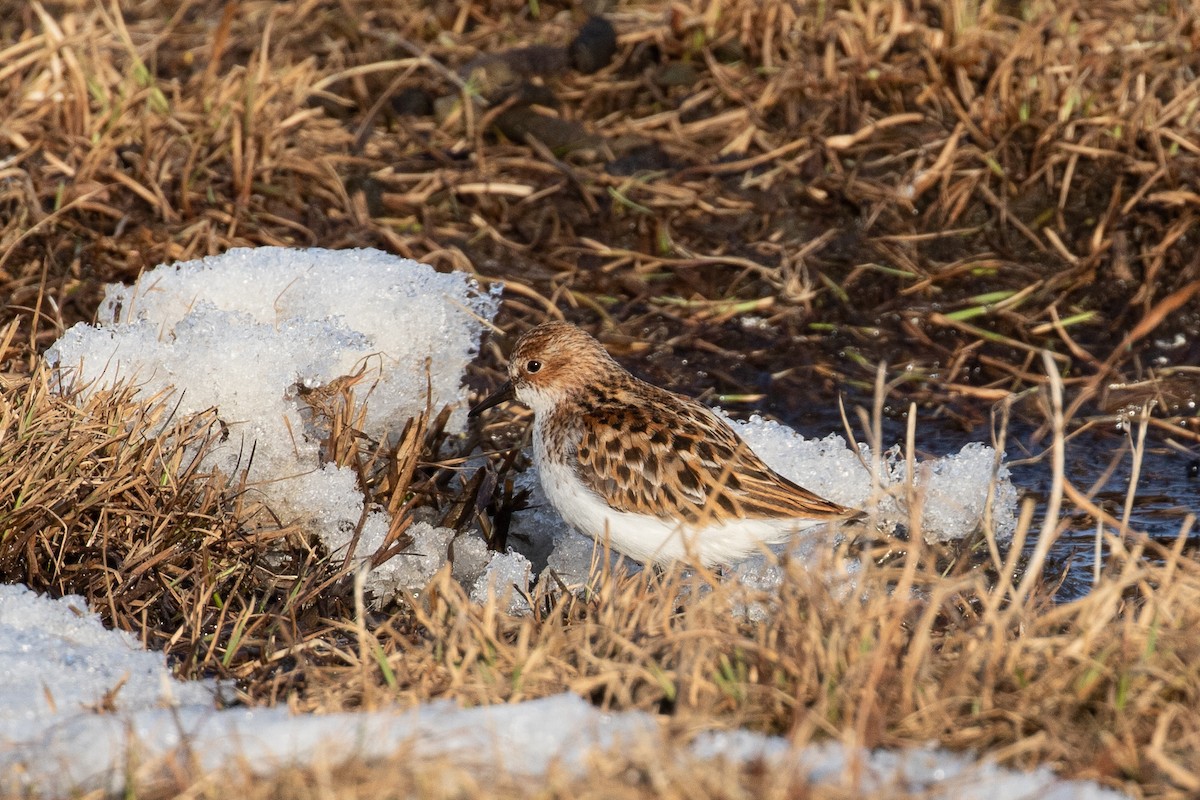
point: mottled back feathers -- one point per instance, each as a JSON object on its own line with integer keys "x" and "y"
{"x": 676, "y": 460}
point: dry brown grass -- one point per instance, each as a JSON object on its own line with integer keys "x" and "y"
{"x": 643, "y": 772}
{"x": 104, "y": 498}
{"x": 948, "y": 185}
{"x": 1105, "y": 687}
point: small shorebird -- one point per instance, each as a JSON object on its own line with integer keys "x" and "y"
{"x": 656, "y": 475}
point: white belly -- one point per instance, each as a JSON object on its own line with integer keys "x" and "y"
{"x": 651, "y": 539}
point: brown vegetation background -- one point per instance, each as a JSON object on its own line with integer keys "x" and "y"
{"x": 786, "y": 192}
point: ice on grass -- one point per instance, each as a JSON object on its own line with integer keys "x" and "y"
{"x": 953, "y": 491}
{"x": 80, "y": 662}
{"x": 412, "y": 568}
{"x": 84, "y": 709}
{"x": 469, "y": 557}
{"x": 246, "y": 331}
{"x": 59, "y": 667}
{"x": 925, "y": 772}
{"x": 504, "y": 581}
{"x": 572, "y": 563}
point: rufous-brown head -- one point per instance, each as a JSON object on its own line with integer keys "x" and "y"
{"x": 549, "y": 364}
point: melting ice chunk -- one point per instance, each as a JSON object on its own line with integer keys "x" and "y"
{"x": 238, "y": 333}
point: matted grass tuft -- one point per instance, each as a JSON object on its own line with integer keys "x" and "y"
{"x": 103, "y": 496}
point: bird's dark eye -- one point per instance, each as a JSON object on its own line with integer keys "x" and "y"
{"x": 533, "y": 366}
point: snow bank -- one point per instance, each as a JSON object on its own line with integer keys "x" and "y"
{"x": 953, "y": 490}
{"x": 246, "y": 331}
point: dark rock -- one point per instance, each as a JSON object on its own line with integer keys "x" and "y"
{"x": 594, "y": 46}
{"x": 413, "y": 102}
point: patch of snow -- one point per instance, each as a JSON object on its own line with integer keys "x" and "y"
{"x": 953, "y": 490}
{"x": 415, "y": 565}
{"x": 927, "y": 772}
{"x": 245, "y": 331}
{"x": 505, "y": 580}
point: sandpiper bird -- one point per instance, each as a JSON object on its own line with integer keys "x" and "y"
{"x": 656, "y": 475}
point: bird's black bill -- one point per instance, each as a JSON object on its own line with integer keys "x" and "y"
{"x": 501, "y": 395}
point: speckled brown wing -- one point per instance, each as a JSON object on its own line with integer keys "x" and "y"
{"x": 673, "y": 458}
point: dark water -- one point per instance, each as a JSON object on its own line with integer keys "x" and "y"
{"x": 1167, "y": 490}
{"x": 1168, "y": 487}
